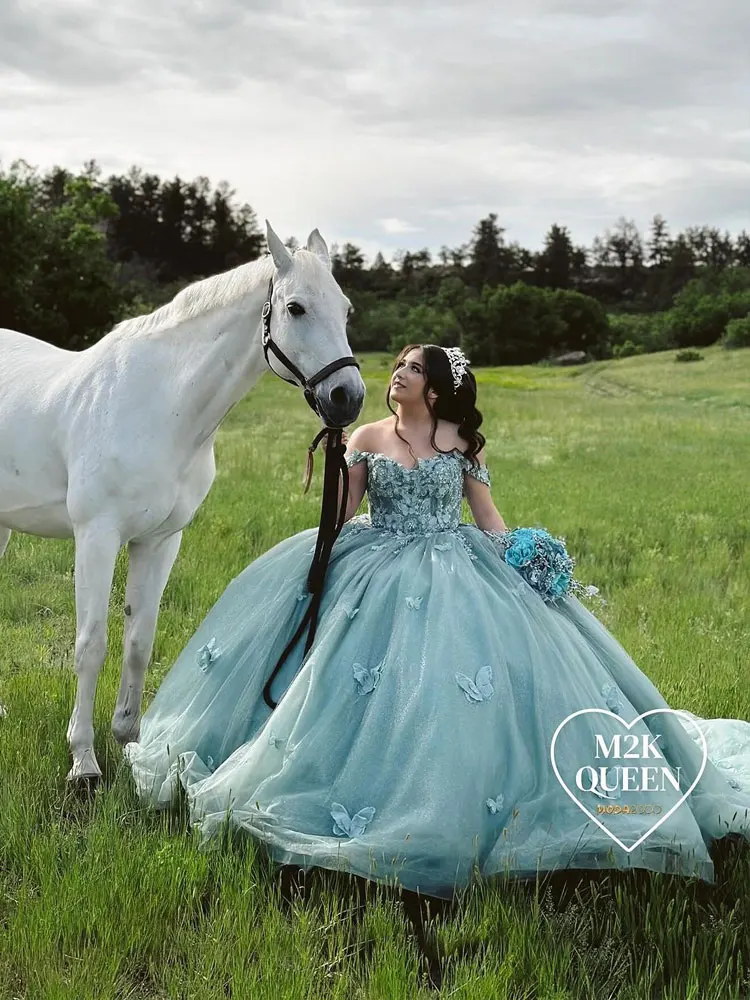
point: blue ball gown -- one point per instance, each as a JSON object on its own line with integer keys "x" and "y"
{"x": 412, "y": 745}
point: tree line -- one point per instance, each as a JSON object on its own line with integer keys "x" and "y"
{"x": 78, "y": 252}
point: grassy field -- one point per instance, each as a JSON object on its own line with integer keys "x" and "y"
{"x": 642, "y": 464}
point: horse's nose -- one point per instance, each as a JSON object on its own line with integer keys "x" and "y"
{"x": 342, "y": 404}
{"x": 339, "y": 397}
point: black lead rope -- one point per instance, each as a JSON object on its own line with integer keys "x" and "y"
{"x": 336, "y": 469}
{"x": 331, "y": 522}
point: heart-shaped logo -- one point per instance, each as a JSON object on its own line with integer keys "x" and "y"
{"x": 628, "y": 725}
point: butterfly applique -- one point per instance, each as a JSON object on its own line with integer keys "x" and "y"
{"x": 366, "y": 678}
{"x": 345, "y": 825}
{"x": 494, "y": 805}
{"x": 442, "y": 546}
{"x": 274, "y": 740}
{"x": 610, "y": 779}
{"x": 611, "y": 695}
{"x": 479, "y": 689}
{"x": 351, "y": 612}
{"x": 414, "y": 603}
{"x": 207, "y": 654}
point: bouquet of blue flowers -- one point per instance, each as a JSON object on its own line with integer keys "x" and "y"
{"x": 543, "y": 562}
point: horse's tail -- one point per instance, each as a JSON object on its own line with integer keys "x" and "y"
{"x": 4, "y": 536}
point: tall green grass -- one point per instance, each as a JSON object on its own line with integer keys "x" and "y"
{"x": 642, "y": 465}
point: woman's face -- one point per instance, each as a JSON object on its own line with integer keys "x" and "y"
{"x": 408, "y": 378}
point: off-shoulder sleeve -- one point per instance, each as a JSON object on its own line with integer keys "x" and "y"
{"x": 479, "y": 472}
{"x": 354, "y": 456}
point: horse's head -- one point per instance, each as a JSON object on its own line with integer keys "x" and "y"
{"x": 308, "y": 322}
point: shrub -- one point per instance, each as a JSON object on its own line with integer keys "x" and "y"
{"x": 586, "y": 322}
{"x": 688, "y": 355}
{"x": 627, "y": 350}
{"x": 424, "y": 324}
{"x": 737, "y": 334}
{"x": 699, "y": 319}
{"x": 376, "y": 323}
{"x": 510, "y": 325}
{"x": 652, "y": 331}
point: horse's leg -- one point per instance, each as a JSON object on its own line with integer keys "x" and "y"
{"x": 150, "y": 563}
{"x": 4, "y": 536}
{"x": 97, "y": 546}
{"x": 419, "y": 909}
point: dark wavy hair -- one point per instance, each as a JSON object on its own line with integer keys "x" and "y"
{"x": 458, "y": 406}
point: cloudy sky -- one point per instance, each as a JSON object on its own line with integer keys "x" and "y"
{"x": 398, "y": 123}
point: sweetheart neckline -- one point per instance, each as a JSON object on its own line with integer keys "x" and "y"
{"x": 409, "y": 468}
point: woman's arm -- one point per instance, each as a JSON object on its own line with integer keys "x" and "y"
{"x": 357, "y": 487}
{"x": 486, "y": 515}
{"x": 357, "y": 472}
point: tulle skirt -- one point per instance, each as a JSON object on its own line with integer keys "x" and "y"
{"x": 425, "y": 739}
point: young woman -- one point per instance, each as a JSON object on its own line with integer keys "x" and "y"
{"x": 414, "y": 743}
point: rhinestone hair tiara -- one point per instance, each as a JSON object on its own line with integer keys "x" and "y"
{"x": 459, "y": 363}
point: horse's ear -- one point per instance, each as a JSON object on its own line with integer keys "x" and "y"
{"x": 317, "y": 245}
{"x": 281, "y": 256}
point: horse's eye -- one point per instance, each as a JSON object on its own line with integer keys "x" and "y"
{"x": 296, "y": 309}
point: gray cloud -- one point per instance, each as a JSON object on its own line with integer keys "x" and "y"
{"x": 61, "y": 44}
{"x": 429, "y": 113}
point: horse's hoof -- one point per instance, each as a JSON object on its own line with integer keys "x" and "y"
{"x": 85, "y": 774}
{"x": 293, "y": 885}
{"x": 430, "y": 974}
{"x": 83, "y": 786}
{"x": 125, "y": 731}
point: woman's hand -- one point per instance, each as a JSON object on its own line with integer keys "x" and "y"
{"x": 344, "y": 440}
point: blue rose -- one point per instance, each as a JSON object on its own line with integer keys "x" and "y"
{"x": 521, "y": 552}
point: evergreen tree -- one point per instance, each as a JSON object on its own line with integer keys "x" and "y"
{"x": 679, "y": 270}
{"x": 742, "y": 249}
{"x": 488, "y": 259}
{"x": 659, "y": 242}
{"x": 555, "y": 264}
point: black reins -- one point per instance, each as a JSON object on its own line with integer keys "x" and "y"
{"x": 336, "y": 469}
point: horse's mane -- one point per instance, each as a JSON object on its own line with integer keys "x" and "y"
{"x": 201, "y": 296}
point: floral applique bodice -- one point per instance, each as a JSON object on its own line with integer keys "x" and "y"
{"x": 423, "y": 499}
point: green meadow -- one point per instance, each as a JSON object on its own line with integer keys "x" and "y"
{"x": 642, "y": 465}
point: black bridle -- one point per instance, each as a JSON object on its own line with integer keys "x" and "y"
{"x": 331, "y": 519}
{"x": 304, "y": 383}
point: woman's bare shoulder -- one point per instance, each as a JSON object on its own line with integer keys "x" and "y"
{"x": 368, "y": 437}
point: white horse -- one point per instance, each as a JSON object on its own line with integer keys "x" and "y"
{"x": 114, "y": 445}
